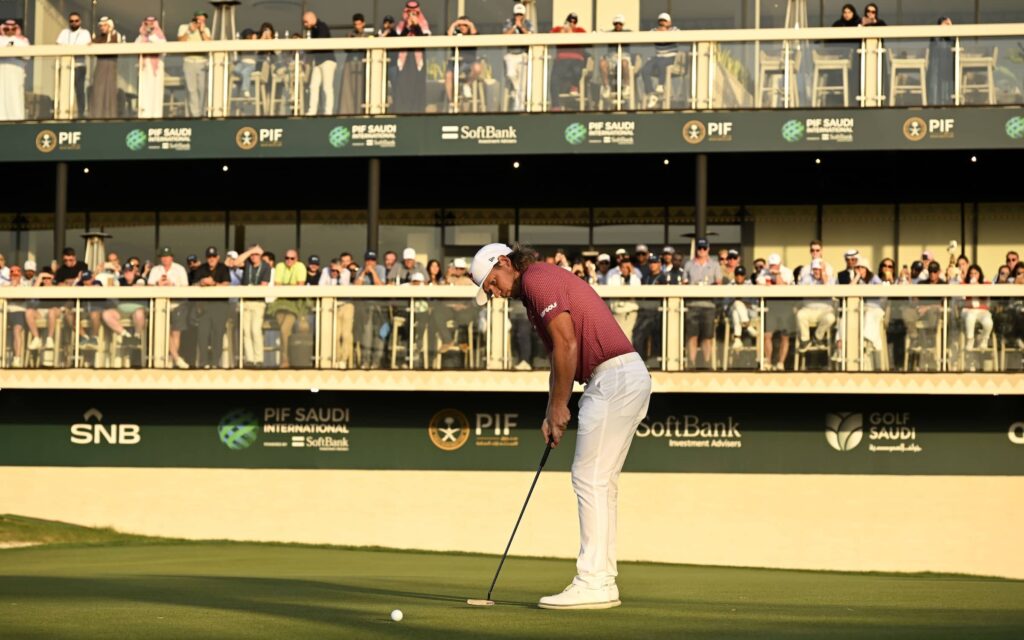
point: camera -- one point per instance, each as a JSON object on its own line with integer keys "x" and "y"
{"x": 952, "y": 246}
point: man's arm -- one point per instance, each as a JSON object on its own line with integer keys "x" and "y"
{"x": 563, "y": 371}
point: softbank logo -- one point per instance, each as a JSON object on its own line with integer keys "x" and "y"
{"x": 1016, "y": 433}
{"x": 550, "y": 307}
{"x": 844, "y": 431}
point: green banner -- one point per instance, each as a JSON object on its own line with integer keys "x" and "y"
{"x": 718, "y": 131}
{"x": 827, "y": 434}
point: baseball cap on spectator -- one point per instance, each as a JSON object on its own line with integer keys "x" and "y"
{"x": 621, "y": 252}
{"x": 30, "y": 265}
{"x": 388, "y": 19}
{"x": 926, "y": 256}
{"x": 519, "y": 9}
{"x": 370, "y": 255}
{"x": 211, "y": 252}
{"x": 619, "y": 19}
{"x": 934, "y": 267}
{"x": 573, "y": 17}
{"x": 816, "y": 263}
{"x": 774, "y": 259}
{"x": 665, "y": 17}
{"x": 166, "y": 251}
{"x": 314, "y": 259}
{"x": 192, "y": 258}
{"x": 668, "y": 249}
{"x": 733, "y": 253}
{"x": 87, "y": 275}
{"x": 417, "y": 277}
{"x": 409, "y": 254}
{"x": 917, "y": 264}
{"x": 740, "y": 271}
{"x": 459, "y": 263}
{"x": 232, "y": 254}
{"x": 702, "y": 243}
{"x": 642, "y": 248}
{"x": 483, "y": 262}
{"x": 604, "y": 257}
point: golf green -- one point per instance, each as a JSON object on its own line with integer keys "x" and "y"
{"x": 137, "y": 588}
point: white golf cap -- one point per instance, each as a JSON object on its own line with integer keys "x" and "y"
{"x": 409, "y": 254}
{"x": 642, "y": 248}
{"x": 619, "y": 19}
{"x": 30, "y": 265}
{"x": 519, "y": 8}
{"x": 483, "y": 262}
{"x": 669, "y": 249}
{"x": 621, "y": 252}
{"x": 774, "y": 259}
{"x": 604, "y": 257}
{"x": 232, "y": 254}
{"x": 417, "y": 277}
{"x": 459, "y": 263}
{"x": 816, "y": 263}
{"x": 664, "y": 16}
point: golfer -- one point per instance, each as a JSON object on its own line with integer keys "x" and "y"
{"x": 586, "y": 345}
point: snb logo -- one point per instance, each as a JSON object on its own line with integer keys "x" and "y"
{"x": 844, "y": 431}
{"x": 1016, "y": 433}
{"x": 92, "y": 431}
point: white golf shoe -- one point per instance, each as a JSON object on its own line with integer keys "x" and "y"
{"x": 580, "y": 596}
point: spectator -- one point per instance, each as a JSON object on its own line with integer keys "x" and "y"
{"x": 370, "y": 316}
{"x": 246, "y": 65}
{"x": 816, "y": 253}
{"x": 334, "y": 275}
{"x": 654, "y": 71}
{"x": 653, "y": 272}
{"x": 256, "y": 273}
{"x": 976, "y": 314}
{"x": 641, "y": 260}
{"x": 371, "y": 273}
{"x": 567, "y": 68}
{"x": 289, "y": 311}
{"x": 16, "y": 318}
{"x": 625, "y": 309}
{"x": 732, "y": 260}
{"x": 192, "y": 263}
{"x": 12, "y": 74}
{"x": 620, "y": 58}
{"x": 313, "y": 271}
{"x": 32, "y": 311}
{"x": 29, "y": 273}
{"x": 671, "y": 273}
{"x": 91, "y": 309}
{"x": 449, "y": 316}
{"x": 815, "y": 312}
{"x": 887, "y": 271}
{"x": 390, "y": 259}
{"x": 195, "y": 67}
{"x": 469, "y": 68}
{"x": 779, "y": 317}
{"x": 411, "y": 80}
{"x": 75, "y": 34}
{"x": 1003, "y": 275}
{"x": 133, "y": 309}
{"x": 958, "y": 274}
{"x": 71, "y": 268}
{"x": 271, "y": 259}
{"x": 604, "y": 265}
{"x": 848, "y": 17}
{"x": 387, "y": 27}
{"x": 5, "y": 272}
{"x": 324, "y": 66}
{"x": 700, "y": 314}
{"x": 560, "y": 259}
{"x": 620, "y": 255}
{"x": 1012, "y": 260}
{"x": 871, "y": 18}
{"x": 847, "y": 48}
{"x": 434, "y": 276}
{"x": 212, "y": 315}
{"x": 353, "y": 72}
{"x": 516, "y": 58}
{"x": 874, "y": 312}
{"x": 941, "y": 64}
{"x": 151, "y": 71}
{"x": 171, "y": 274}
{"x": 337, "y": 274}
{"x": 848, "y": 275}
{"x": 739, "y": 311}
{"x": 402, "y": 273}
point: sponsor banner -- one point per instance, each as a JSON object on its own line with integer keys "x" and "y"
{"x": 550, "y": 133}
{"x": 851, "y": 434}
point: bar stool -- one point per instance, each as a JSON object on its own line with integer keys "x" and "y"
{"x": 977, "y": 75}
{"x": 908, "y": 68}
{"x": 824, "y": 67}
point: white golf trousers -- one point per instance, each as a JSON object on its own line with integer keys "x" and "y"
{"x": 613, "y": 404}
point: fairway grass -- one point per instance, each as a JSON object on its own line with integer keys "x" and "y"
{"x": 144, "y": 588}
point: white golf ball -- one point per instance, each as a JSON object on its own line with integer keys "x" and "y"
{"x": 397, "y": 615}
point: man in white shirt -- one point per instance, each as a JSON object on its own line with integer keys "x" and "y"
{"x": 76, "y": 34}
{"x": 194, "y": 65}
{"x": 12, "y": 74}
{"x": 171, "y": 274}
{"x": 624, "y": 309}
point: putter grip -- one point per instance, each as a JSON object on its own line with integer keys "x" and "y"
{"x": 544, "y": 458}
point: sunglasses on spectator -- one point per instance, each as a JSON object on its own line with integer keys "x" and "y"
{"x": 813, "y": 250}
{"x": 870, "y": 11}
{"x": 291, "y": 257}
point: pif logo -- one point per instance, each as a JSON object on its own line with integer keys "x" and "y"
{"x": 46, "y": 141}
{"x": 694, "y": 132}
{"x": 449, "y": 429}
{"x": 916, "y": 128}
{"x": 844, "y": 431}
{"x": 248, "y": 138}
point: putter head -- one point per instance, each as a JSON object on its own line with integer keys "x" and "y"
{"x": 480, "y": 603}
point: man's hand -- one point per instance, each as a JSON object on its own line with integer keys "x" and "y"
{"x": 555, "y": 423}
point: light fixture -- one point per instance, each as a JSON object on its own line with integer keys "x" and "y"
{"x": 974, "y": 158}
{"x": 515, "y": 164}
{"x": 665, "y": 162}
{"x": 85, "y": 170}
{"x": 224, "y": 168}
{"x": 817, "y": 161}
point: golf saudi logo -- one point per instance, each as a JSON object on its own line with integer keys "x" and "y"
{"x": 449, "y": 429}
{"x": 135, "y": 140}
{"x": 576, "y": 133}
{"x": 844, "y": 431}
{"x": 339, "y": 136}
{"x": 793, "y": 131}
{"x": 238, "y": 429}
{"x": 1015, "y": 128}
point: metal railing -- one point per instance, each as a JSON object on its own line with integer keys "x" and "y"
{"x": 601, "y": 71}
{"x": 938, "y": 328}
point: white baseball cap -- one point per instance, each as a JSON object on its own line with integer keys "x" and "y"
{"x": 665, "y": 17}
{"x": 232, "y": 254}
{"x": 642, "y": 248}
{"x": 409, "y": 254}
{"x": 774, "y": 259}
{"x": 619, "y": 19}
{"x": 30, "y": 265}
{"x": 621, "y": 252}
{"x": 459, "y": 263}
{"x": 604, "y": 257}
{"x": 483, "y": 262}
{"x": 817, "y": 264}
{"x": 519, "y": 8}
{"x": 417, "y": 277}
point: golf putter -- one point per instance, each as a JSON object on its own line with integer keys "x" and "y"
{"x": 488, "y": 602}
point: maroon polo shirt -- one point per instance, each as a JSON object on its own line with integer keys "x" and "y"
{"x": 547, "y": 291}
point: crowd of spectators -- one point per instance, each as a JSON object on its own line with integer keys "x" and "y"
{"x": 407, "y": 69}
{"x": 198, "y": 328}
